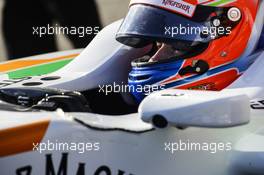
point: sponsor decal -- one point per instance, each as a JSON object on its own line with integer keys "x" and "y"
{"x": 178, "y": 6}
{"x": 61, "y": 168}
{"x": 5, "y": 83}
{"x": 206, "y": 86}
{"x": 257, "y": 104}
{"x": 184, "y": 7}
{"x": 172, "y": 95}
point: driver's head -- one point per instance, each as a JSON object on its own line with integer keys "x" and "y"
{"x": 194, "y": 43}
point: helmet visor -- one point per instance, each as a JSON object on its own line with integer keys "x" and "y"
{"x": 145, "y": 24}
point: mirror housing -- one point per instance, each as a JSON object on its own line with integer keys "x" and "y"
{"x": 185, "y": 108}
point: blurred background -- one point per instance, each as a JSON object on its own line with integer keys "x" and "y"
{"x": 108, "y": 10}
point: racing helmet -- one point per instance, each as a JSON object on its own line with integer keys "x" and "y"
{"x": 196, "y": 44}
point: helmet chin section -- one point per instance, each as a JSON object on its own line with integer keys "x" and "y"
{"x": 145, "y": 76}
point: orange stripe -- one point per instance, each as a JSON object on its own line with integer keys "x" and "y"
{"x": 13, "y": 65}
{"x": 20, "y": 139}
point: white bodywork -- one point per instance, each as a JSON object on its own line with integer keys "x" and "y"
{"x": 202, "y": 109}
{"x": 98, "y": 64}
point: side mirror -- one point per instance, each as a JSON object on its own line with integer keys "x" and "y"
{"x": 184, "y": 108}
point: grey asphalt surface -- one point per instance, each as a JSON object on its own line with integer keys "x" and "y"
{"x": 110, "y": 11}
